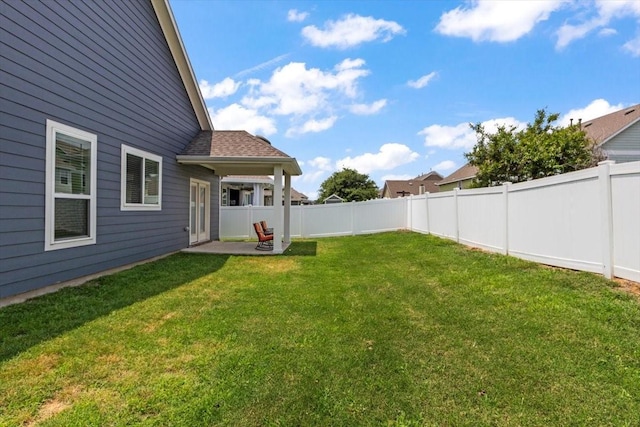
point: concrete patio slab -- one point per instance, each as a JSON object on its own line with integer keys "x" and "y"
{"x": 231, "y": 248}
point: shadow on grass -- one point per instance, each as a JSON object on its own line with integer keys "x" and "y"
{"x": 302, "y": 249}
{"x": 40, "y": 319}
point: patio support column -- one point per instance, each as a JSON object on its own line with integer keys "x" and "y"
{"x": 287, "y": 208}
{"x": 258, "y": 195}
{"x": 278, "y": 214}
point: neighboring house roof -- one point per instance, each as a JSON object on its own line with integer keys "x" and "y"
{"x": 401, "y": 188}
{"x": 333, "y": 198}
{"x": 602, "y": 129}
{"x": 433, "y": 175}
{"x": 465, "y": 172}
{"x": 397, "y": 188}
{"x": 298, "y": 196}
{"x": 229, "y": 151}
{"x": 174, "y": 41}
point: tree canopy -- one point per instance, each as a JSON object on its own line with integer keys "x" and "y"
{"x": 350, "y": 185}
{"x": 541, "y": 149}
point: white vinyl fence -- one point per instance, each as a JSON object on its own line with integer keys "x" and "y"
{"x": 587, "y": 220}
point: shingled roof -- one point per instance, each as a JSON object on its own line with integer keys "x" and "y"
{"x": 237, "y": 152}
{"x": 465, "y": 172}
{"x": 401, "y": 188}
{"x": 603, "y": 128}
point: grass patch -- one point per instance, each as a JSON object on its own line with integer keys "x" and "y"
{"x": 395, "y": 329}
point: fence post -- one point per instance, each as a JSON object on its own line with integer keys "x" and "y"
{"x": 251, "y": 221}
{"x": 353, "y": 227}
{"x": 606, "y": 217}
{"x": 408, "y": 213}
{"x": 455, "y": 212}
{"x": 505, "y": 199}
{"x": 426, "y": 202}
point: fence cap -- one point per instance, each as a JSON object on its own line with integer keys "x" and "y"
{"x": 606, "y": 162}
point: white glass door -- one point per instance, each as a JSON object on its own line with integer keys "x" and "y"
{"x": 199, "y": 212}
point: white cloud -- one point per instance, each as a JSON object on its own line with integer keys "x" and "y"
{"x": 633, "y": 46}
{"x": 597, "y": 108}
{"x": 446, "y": 165}
{"x": 312, "y": 98}
{"x": 261, "y": 66}
{"x": 237, "y": 117}
{"x": 461, "y": 135}
{"x": 497, "y": 21}
{"x": 422, "y": 81}
{"x": 368, "y": 109}
{"x": 321, "y": 163}
{"x": 294, "y": 16}
{"x": 390, "y": 156}
{"x": 605, "y": 32}
{"x": 605, "y": 12}
{"x": 351, "y": 31}
{"x": 312, "y": 125}
{"x": 221, "y": 89}
{"x": 318, "y": 168}
{"x": 296, "y": 89}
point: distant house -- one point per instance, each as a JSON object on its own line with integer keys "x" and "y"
{"x": 334, "y": 198}
{"x": 241, "y": 190}
{"x": 461, "y": 178}
{"x": 419, "y": 185}
{"x": 617, "y": 134}
{"x": 244, "y": 190}
{"x": 298, "y": 198}
{"x": 108, "y": 155}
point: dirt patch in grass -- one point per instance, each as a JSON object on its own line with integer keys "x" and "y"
{"x": 52, "y": 407}
{"x": 40, "y": 365}
{"x": 630, "y": 287}
{"x": 151, "y": 327}
{"x": 48, "y": 410}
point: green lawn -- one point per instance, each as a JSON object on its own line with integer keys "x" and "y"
{"x": 394, "y": 329}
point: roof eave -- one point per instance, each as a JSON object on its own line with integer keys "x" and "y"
{"x": 443, "y": 182}
{"x": 231, "y": 165}
{"x": 181, "y": 59}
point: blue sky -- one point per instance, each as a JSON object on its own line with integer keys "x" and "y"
{"x": 389, "y": 87}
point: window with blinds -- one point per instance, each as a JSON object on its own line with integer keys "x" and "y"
{"x": 70, "y": 188}
{"x": 141, "y": 180}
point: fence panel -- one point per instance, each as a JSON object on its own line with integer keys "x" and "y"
{"x": 327, "y": 220}
{"x": 375, "y": 216}
{"x": 442, "y": 218}
{"x": 481, "y": 218}
{"x": 236, "y": 222}
{"x": 417, "y": 219}
{"x": 556, "y": 221}
{"x": 625, "y": 195}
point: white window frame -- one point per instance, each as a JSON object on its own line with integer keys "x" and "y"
{"x": 124, "y": 206}
{"x": 50, "y": 243}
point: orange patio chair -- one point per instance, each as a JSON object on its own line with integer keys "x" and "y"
{"x": 265, "y": 241}
{"x": 266, "y": 229}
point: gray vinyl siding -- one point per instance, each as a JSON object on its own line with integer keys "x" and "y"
{"x": 624, "y": 147}
{"x": 105, "y": 68}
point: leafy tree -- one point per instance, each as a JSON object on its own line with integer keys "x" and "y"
{"x": 540, "y": 150}
{"x": 350, "y": 185}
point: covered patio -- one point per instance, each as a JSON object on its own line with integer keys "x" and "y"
{"x": 232, "y": 248}
{"x": 240, "y": 153}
